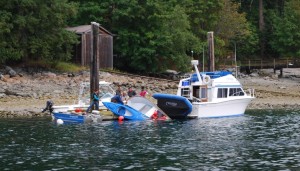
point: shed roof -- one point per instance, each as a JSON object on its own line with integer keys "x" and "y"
{"x": 87, "y": 29}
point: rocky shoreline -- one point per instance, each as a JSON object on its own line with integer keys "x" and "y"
{"x": 24, "y": 94}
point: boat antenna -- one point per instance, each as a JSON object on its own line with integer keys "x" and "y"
{"x": 195, "y": 63}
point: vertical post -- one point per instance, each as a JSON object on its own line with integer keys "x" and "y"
{"x": 83, "y": 50}
{"x": 211, "y": 53}
{"x": 94, "y": 65}
{"x": 203, "y": 60}
{"x": 235, "y": 59}
{"x": 274, "y": 68}
{"x": 249, "y": 65}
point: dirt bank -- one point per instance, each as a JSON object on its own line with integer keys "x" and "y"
{"x": 27, "y": 94}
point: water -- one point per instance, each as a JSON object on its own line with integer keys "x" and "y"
{"x": 259, "y": 140}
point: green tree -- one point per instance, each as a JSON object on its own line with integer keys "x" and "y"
{"x": 163, "y": 34}
{"x": 152, "y": 32}
{"x": 35, "y": 29}
{"x": 233, "y": 29}
{"x": 286, "y": 35}
{"x": 148, "y": 33}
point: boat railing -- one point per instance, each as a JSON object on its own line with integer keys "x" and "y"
{"x": 251, "y": 92}
{"x": 185, "y": 76}
{"x": 195, "y": 99}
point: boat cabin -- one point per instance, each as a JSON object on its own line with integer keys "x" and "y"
{"x": 212, "y": 85}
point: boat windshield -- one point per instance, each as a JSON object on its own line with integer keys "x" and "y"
{"x": 105, "y": 92}
{"x": 236, "y": 92}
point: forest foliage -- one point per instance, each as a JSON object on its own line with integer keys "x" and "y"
{"x": 152, "y": 35}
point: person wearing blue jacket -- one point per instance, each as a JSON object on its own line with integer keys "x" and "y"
{"x": 95, "y": 101}
{"x": 117, "y": 99}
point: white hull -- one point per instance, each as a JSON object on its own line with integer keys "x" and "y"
{"x": 68, "y": 108}
{"x": 226, "y": 108}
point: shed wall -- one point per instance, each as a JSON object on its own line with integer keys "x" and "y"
{"x": 82, "y": 51}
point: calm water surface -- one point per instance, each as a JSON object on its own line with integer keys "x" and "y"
{"x": 259, "y": 140}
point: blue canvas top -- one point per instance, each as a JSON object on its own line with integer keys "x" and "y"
{"x": 212, "y": 75}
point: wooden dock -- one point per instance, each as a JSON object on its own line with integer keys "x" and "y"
{"x": 276, "y": 64}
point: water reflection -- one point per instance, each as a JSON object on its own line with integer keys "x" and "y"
{"x": 260, "y": 140}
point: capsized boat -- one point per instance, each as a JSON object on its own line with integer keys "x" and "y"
{"x": 137, "y": 108}
{"x": 211, "y": 94}
{"x": 126, "y": 111}
{"x": 148, "y": 108}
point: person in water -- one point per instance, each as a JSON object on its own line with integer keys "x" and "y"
{"x": 95, "y": 101}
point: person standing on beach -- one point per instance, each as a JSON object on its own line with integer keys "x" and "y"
{"x": 143, "y": 92}
{"x": 95, "y": 101}
{"x": 131, "y": 92}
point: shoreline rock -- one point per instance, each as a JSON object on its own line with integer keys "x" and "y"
{"x": 25, "y": 94}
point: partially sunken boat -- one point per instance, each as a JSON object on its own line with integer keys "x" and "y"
{"x": 76, "y": 113}
{"x": 137, "y": 108}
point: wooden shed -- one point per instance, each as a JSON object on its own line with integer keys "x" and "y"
{"x": 82, "y": 51}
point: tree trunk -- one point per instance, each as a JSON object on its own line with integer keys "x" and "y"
{"x": 261, "y": 29}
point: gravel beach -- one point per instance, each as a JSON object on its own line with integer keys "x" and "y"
{"x": 26, "y": 94}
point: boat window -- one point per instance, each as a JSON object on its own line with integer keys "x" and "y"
{"x": 236, "y": 92}
{"x": 196, "y": 92}
{"x": 222, "y": 92}
{"x": 203, "y": 92}
{"x": 185, "y": 92}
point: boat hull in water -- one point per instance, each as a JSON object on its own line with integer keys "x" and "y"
{"x": 127, "y": 112}
{"x": 228, "y": 108}
{"x": 146, "y": 107}
{"x": 76, "y": 118}
{"x": 176, "y": 107}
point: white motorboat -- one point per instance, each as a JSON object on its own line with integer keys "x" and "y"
{"x": 106, "y": 92}
{"x": 209, "y": 94}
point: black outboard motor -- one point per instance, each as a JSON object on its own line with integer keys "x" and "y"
{"x": 49, "y": 106}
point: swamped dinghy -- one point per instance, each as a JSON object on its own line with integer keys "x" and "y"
{"x": 146, "y": 107}
{"x": 127, "y": 112}
{"x": 137, "y": 108}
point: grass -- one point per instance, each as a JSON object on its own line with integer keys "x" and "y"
{"x": 57, "y": 66}
{"x": 68, "y": 67}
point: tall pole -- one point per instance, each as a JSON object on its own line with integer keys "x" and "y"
{"x": 211, "y": 52}
{"x": 94, "y": 59}
{"x": 235, "y": 59}
{"x": 203, "y": 60}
